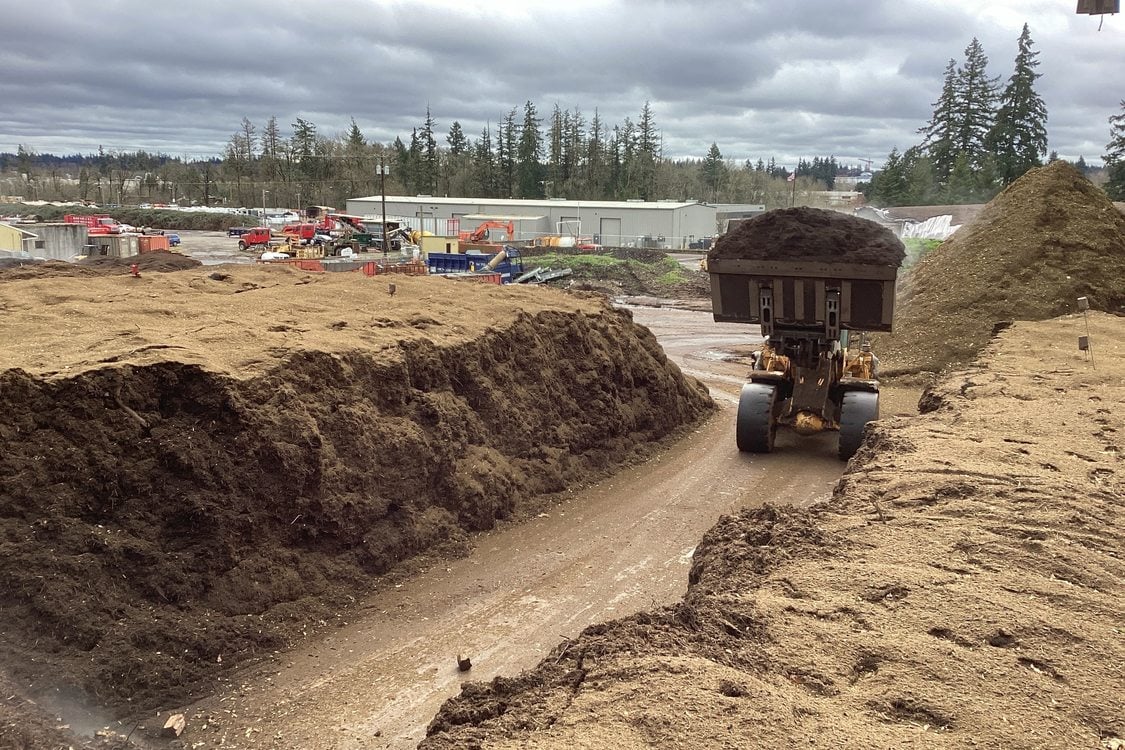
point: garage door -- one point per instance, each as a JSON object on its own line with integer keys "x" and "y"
{"x": 610, "y": 232}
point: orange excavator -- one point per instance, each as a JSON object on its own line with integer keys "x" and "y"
{"x": 480, "y": 234}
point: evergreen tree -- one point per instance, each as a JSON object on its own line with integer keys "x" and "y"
{"x": 713, "y": 169}
{"x": 890, "y": 186}
{"x": 529, "y": 152}
{"x": 1018, "y": 139}
{"x": 458, "y": 144}
{"x": 574, "y": 145}
{"x": 355, "y": 161}
{"x": 962, "y": 186}
{"x": 941, "y": 132}
{"x": 506, "y": 154}
{"x": 484, "y": 165}
{"x": 596, "y": 158}
{"x": 427, "y": 156}
{"x": 976, "y": 105}
{"x": 1115, "y": 156}
{"x": 920, "y": 181}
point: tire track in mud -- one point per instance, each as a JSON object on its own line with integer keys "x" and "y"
{"x": 618, "y": 547}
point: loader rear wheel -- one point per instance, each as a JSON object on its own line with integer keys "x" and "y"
{"x": 756, "y": 424}
{"x": 857, "y": 409}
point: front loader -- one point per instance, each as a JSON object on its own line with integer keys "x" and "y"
{"x": 812, "y": 374}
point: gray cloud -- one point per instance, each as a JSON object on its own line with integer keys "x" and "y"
{"x": 852, "y": 78}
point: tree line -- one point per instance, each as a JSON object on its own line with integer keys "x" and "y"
{"x": 566, "y": 154}
{"x": 981, "y": 137}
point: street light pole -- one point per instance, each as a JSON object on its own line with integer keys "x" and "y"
{"x": 383, "y": 197}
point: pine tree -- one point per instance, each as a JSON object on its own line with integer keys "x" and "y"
{"x": 458, "y": 144}
{"x": 962, "y": 187}
{"x": 529, "y": 153}
{"x": 484, "y": 164}
{"x": 920, "y": 182}
{"x": 1115, "y": 156}
{"x": 596, "y": 158}
{"x": 428, "y": 159}
{"x": 940, "y": 133}
{"x": 506, "y": 154}
{"x": 976, "y": 105}
{"x": 1019, "y": 138}
{"x": 556, "y": 139}
{"x": 890, "y": 185}
{"x": 713, "y": 169}
{"x": 355, "y": 148}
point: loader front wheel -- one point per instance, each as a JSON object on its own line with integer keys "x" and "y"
{"x": 756, "y": 424}
{"x": 857, "y": 409}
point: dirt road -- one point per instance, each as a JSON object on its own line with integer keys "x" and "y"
{"x": 621, "y": 546}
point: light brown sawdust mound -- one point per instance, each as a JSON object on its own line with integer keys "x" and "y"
{"x": 963, "y": 588}
{"x": 1048, "y": 239}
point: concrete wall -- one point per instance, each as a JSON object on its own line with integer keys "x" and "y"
{"x": 58, "y": 241}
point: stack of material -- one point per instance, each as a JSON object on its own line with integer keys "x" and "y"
{"x": 810, "y": 234}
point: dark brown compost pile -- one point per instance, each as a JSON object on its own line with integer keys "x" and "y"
{"x": 812, "y": 234}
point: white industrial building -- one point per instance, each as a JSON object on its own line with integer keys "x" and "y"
{"x": 661, "y": 224}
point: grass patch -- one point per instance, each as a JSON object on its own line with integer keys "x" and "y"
{"x": 916, "y": 249}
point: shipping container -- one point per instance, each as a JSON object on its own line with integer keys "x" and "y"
{"x": 152, "y": 244}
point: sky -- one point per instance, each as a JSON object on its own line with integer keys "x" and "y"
{"x": 789, "y": 80}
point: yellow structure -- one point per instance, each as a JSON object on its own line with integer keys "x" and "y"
{"x": 14, "y": 238}
{"x": 434, "y": 244}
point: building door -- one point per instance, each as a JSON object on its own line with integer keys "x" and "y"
{"x": 609, "y": 231}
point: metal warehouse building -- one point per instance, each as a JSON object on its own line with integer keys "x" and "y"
{"x": 662, "y": 224}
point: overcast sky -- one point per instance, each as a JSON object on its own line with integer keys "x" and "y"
{"x": 850, "y": 78}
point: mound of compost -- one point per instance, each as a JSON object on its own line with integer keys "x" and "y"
{"x": 962, "y": 588}
{"x": 811, "y": 234}
{"x": 1049, "y": 238}
{"x": 159, "y": 261}
{"x": 200, "y": 468}
{"x": 101, "y": 265}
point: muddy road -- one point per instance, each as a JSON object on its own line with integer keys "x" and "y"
{"x": 605, "y": 552}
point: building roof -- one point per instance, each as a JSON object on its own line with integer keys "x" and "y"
{"x": 26, "y": 234}
{"x": 543, "y": 203}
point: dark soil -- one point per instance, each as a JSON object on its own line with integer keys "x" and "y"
{"x": 810, "y": 234}
{"x": 163, "y": 521}
{"x": 1048, "y": 239}
{"x": 157, "y": 262}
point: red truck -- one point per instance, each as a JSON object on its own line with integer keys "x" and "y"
{"x": 95, "y": 223}
{"x": 256, "y": 236}
{"x": 304, "y": 232}
{"x": 90, "y": 220}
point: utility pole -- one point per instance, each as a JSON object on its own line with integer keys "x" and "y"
{"x": 264, "y": 192}
{"x": 382, "y": 168}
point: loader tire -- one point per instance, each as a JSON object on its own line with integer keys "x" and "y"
{"x": 756, "y": 423}
{"x": 857, "y": 409}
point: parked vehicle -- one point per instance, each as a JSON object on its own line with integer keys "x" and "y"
{"x": 173, "y": 239}
{"x": 238, "y": 231}
{"x": 254, "y": 237}
{"x": 306, "y": 232}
